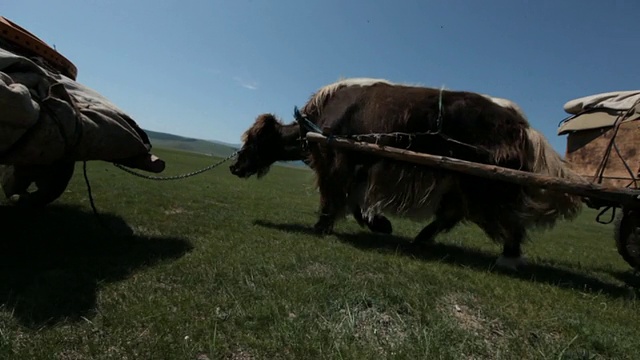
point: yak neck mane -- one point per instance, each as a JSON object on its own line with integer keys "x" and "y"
{"x": 259, "y": 125}
{"x": 288, "y": 134}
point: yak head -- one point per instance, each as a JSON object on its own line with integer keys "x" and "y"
{"x": 262, "y": 146}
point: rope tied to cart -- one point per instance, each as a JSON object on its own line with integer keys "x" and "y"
{"x": 599, "y": 173}
{"x": 613, "y": 145}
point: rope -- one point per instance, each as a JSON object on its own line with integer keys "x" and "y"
{"x": 603, "y": 211}
{"x": 309, "y": 126}
{"x": 599, "y": 175}
{"x": 91, "y": 201}
{"x": 177, "y": 177}
{"x": 410, "y": 136}
{"x": 611, "y": 145}
{"x": 86, "y": 180}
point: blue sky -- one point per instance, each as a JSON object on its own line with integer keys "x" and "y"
{"x": 206, "y": 69}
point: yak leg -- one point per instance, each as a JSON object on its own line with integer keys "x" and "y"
{"x": 357, "y": 193}
{"x": 333, "y": 178}
{"x": 356, "y": 197}
{"x": 510, "y": 233}
{"x": 491, "y": 208}
{"x": 437, "y": 226}
{"x": 448, "y": 215}
{"x": 378, "y": 224}
{"x": 511, "y": 257}
{"x": 332, "y": 203}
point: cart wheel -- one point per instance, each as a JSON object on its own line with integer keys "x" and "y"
{"x": 50, "y": 181}
{"x": 627, "y": 236}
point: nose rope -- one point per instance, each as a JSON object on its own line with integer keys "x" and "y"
{"x": 177, "y": 177}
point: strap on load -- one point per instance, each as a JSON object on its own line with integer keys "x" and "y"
{"x": 31, "y": 44}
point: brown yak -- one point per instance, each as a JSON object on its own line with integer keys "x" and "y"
{"x": 269, "y": 140}
{"x": 459, "y": 124}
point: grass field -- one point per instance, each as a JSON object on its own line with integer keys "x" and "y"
{"x": 214, "y": 267}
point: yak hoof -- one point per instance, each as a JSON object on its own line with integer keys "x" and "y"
{"x": 426, "y": 235}
{"x": 380, "y": 224}
{"x": 510, "y": 263}
{"x": 420, "y": 240}
{"x": 322, "y": 228}
{"x": 424, "y": 238}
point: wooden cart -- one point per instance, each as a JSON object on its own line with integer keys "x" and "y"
{"x": 601, "y": 146}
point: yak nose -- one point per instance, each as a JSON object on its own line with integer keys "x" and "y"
{"x": 236, "y": 170}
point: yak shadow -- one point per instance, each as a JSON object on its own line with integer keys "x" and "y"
{"x": 53, "y": 260}
{"x": 628, "y": 277}
{"x": 467, "y": 257}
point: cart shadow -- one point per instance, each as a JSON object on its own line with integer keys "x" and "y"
{"x": 468, "y": 258}
{"x": 54, "y": 260}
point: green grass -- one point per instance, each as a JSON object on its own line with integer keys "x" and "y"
{"x": 217, "y": 267}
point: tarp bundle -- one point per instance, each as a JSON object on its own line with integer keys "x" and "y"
{"x": 614, "y": 100}
{"x": 600, "y": 110}
{"x": 46, "y": 117}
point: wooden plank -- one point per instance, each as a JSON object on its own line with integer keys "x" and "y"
{"x": 613, "y": 195}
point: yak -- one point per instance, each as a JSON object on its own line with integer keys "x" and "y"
{"x": 460, "y": 124}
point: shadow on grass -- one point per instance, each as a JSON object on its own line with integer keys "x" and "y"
{"x": 53, "y": 260}
{"x": 466, "y": 257}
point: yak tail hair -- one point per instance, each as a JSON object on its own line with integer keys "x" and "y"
{"x": 542, "y": 207}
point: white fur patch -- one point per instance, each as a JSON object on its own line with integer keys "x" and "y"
{"x": 327, "y": 91}
{"x": 506, "y": 103}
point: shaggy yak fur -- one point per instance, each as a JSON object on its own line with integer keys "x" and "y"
{"x": 469, "y": 126}
{"x": 269, "y": 140}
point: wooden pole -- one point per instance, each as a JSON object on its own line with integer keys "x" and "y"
{"x": 615, "y": 196}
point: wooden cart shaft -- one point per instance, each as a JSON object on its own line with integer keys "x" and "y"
{"x": 611, "y": 195}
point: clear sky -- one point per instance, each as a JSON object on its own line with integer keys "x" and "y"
{"x": 207, "y": 68}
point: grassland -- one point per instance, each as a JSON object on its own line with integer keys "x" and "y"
{"x": 214, "y": 267}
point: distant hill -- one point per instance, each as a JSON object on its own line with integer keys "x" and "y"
{"x": 208, "y": 147}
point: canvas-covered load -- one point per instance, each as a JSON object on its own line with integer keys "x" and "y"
{"x": 603, "y": 137}
{"x": 48, "y": 121}
{"x": 45, "y": 115}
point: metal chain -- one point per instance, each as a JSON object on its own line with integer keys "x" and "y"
{"x": 177, "y": 177}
